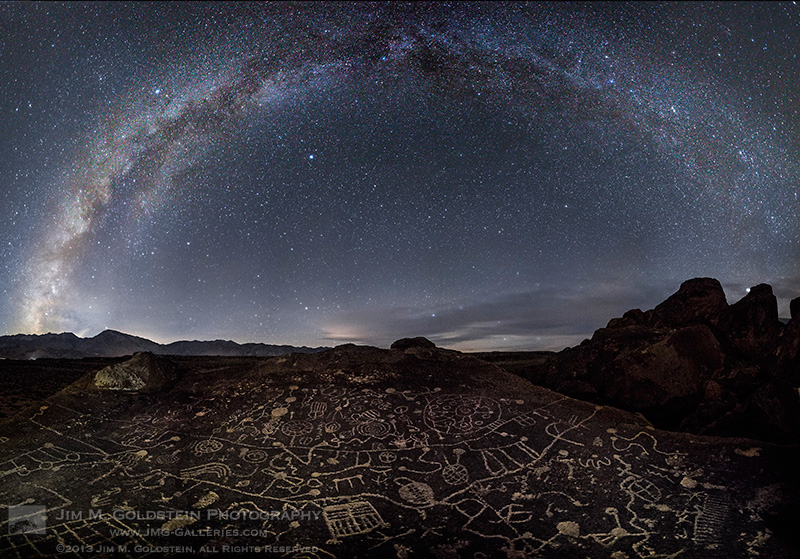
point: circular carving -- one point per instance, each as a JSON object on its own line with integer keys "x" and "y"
{"x": 269, "y": 428}
{"x": 458, "y": 414}
{"x": 255, "y": 456}
{"x": 297, "y": 428}
{"x": 332, "y": 427}
{"x": 387, "y": 457}
{"x": 455, "y": 474}
{"x": 642, "y": 488}
{"x": 208, "y": 446}
{"x": 417, "y": 493}
{"x": 373, "y": 429}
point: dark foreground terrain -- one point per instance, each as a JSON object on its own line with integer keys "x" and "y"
{"x": 25, "y": 382}
{"x": 363, "y": 452}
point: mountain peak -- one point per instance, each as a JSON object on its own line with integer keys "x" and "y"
{"x": 113, "y": 343}
{"x": 109, "y": 333}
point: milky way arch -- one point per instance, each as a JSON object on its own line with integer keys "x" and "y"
{"x": 541, "y": 68}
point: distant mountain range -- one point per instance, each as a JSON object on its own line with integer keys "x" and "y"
{"x": 111, "y": 343}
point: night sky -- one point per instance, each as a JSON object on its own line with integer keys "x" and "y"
{"x": 489, "y": 176}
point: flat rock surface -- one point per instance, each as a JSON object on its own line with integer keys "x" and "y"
{"x": 360, "y": 452}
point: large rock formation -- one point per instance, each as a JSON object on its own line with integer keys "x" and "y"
{"x": 788, "y": 352}
{"x": 363, "y": 452}
{"x": 143, "y": 373}
{"x": 693, "y": 363}
{"x": 407, "y": 343}
{"x": 698, "y": 301}
{"x": 666, "y": 376}
{"x": 751, "y": 325}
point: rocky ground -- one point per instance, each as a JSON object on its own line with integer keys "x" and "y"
{"x": 363, "y": 452}
{"x": 25, "y": 382}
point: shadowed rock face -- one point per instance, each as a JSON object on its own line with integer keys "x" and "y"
{"x": 692, "y": 363}
{"x": 362, "y": 452}
{"x": 666, "y": 375}
{"x": 698, "y": 300}
{"x": 407, "y": 343}
{"x": 144, "y": 373}
{"x": 752, "y": 324}
{"x": 788, "y": 353}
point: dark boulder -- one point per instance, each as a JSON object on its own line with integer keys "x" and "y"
{"x": 408, "y": 343}
{"x": 789, "y": 353}
{"x": 577, "y": 371}
{"x": 751, "y": 324}
{"x": 667, "y": 379}
{"x": 773, "y": 412}
{"x": 693, "y": 363}
{"x": 142, "y": 373}
{"x": 641, "y": 369}
{"x": 794, "y": 307}
{"x": 698, "y": 300}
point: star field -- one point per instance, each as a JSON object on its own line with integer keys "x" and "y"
{"x": 487, "y": 175}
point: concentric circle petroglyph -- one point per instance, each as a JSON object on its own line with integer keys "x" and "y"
{"x": 460, "y": 413}
{"x": 297, "y": 427}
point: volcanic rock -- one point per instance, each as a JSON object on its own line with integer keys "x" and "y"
{"x": 776, "y": 407}
{"x": 361, "y": 452}
{"x": 661, "y": 362}
{"x": 143, "y": 373}
{"x": 794, "y": 307}
{"x": 698, "y": 300}
{"x": 789, "y": 353}
{"x": 664, "y": 379}
{"x": 752, "y": 324}
{"x": 579, "y": 371}
{"x": 407, "y": 343}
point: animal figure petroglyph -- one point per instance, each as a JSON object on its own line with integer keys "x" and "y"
{"x": 387, "y": 468}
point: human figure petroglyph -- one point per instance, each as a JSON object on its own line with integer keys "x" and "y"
{"x": 377, "y": 455}
{"x": 349, "y": 482}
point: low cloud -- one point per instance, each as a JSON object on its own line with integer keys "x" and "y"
{"x": 549, "y": 317}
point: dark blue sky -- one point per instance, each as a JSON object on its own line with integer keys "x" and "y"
{"x": 486, "y": 175}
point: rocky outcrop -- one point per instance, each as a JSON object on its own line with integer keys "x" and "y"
{"x": 698, "y": 301}
{"x": 407, "y": 343}
{"x": 751, "y": 325}
{"x": 788, "y": 352}
{"x": 692, "y": 363}
{"x": 143, "y": 373}
{"x": 794, "y": 307}
{"x": 666, "y": 378}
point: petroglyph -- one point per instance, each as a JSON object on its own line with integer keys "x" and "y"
{"x": 442, "y": 459}
{"x": 351, "y": 519}
{"x": 711, "y": 521}
{"x": 460, "y": 413}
